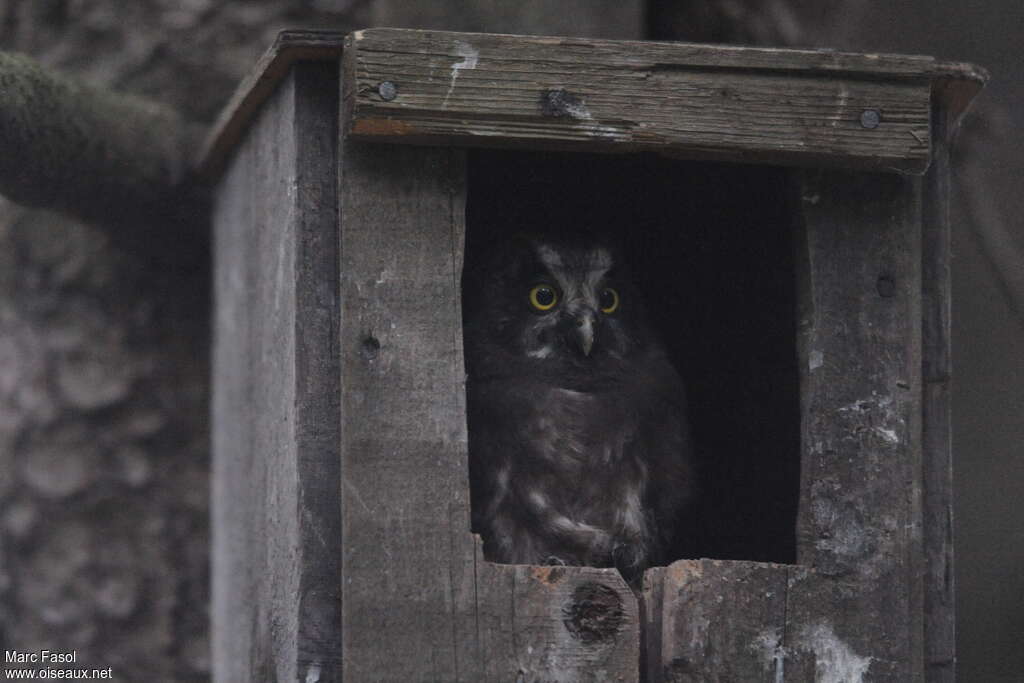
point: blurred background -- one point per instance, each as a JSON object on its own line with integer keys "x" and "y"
{"x": 104, "y": 448}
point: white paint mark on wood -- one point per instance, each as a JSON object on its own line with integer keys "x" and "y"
{"x": 835, "y": 661}
{"x": 889, "y": 435}
{"x": 768, "y": 645}
{"x": 815, "y": 360}
{"x": 612, "y": 133}
{"x": 313, "y": 673}
{"x": 869, "y": 404}
{"x": 470, "y": 55}
{"x": 578, "y": 110}
{"x": 842, "y": 99}
{"x": 485, "y": 133}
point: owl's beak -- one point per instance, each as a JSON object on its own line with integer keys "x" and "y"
{"x": 585, "y": 332}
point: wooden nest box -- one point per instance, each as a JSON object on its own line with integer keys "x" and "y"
{"x": 788, "y": 211}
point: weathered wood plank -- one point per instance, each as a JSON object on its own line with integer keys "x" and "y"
{"x": 236, "y": 479}
{"x": 317, "y": 375}
{"x": 939, "y": 592}
{"x": 289, "y": 48}
{"x": 420, "y": 602}
{"x": 833, "y": 634}
{"x": 403, "y": 435}
{"x": 276, "y": 522}
{"x": 959, "y": 82}
{"x": 860, "y": 356}
{"x": 720, "y": 621}
{"x": 555, "y": 625}
{"x": 747, "y": 621}
{"x": 652, "y": 600}
{"x": 705, "y": 101}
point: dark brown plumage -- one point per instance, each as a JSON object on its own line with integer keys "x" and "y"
{"x": 579, "y": 446}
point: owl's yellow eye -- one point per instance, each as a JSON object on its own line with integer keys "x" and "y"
{"x": 609, "y": 301}
{"x": 543, "y": 297}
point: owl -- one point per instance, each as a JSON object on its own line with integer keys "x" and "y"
{"x": 578, "y": 441}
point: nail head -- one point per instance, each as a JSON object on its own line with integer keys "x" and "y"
{"x": 387, "y": 91}
{"x": 870, "y": 118}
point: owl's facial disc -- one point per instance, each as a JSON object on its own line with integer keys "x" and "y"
{"x": 572, "y": 296}
{"x": 579, "y": 276}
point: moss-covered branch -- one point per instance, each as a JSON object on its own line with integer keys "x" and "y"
{"x": 112, "y": 159}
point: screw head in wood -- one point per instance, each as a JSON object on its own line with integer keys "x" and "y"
{"x": 886, "y": 287}
{"x": 870, "y": 118}
{"x": 387, "y": 91}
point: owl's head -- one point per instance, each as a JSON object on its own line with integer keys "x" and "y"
{"x": 556, "y": 301}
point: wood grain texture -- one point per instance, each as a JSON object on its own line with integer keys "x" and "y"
{"x": 939, "y": 591}
{"x": 227, "y": 132}
{"x": 782, "y": 106}
{"x": 554, "y": 624}
{"x": 859, "y": 521}
{"x": 954, "y": 83}
{"x": 652, "y": 601}
{"x": 834, "y": 632}
{"x": 275, "y": 518}
{"x": 420, "y": 602}
{"x": 403, "y": 434}
{"x": 720, "y": 621}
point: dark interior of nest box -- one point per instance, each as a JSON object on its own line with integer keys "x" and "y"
{"x": 711, "y": 247}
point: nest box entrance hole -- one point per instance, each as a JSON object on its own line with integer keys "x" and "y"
{"x": 711, "y": 246}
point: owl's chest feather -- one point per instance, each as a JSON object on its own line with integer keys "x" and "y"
{"x": 577, "y": 429}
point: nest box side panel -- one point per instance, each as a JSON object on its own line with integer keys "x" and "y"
{"x": 275, "y": 429}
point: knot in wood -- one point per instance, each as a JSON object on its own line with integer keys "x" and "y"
{"x": 369, "y": 348}
{"x": 594, "y": 613}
